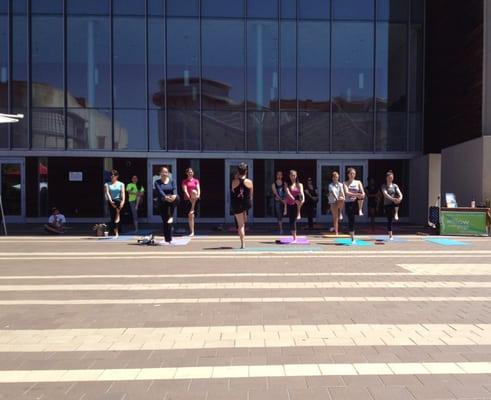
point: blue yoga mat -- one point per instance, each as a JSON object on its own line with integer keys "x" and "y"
{"x": 446, "y": 242}
{"x": 348, "y": 242}
{"x": 121, "y": 238}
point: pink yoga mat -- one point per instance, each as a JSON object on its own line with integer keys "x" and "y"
{"x": 289, "y": 240}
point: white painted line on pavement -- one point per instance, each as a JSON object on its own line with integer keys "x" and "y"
{"x": 243, "y": 371}
{"x": 246, "y": 285}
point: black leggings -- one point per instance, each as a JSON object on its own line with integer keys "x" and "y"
{"x": 112, "y": 215}
{"x": 167, "y": 211}
{"x": 292, "y": 216}
{"x": 390, "y": 211}
{"x": 351, "y": 208}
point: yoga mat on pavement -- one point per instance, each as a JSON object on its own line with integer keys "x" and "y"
{"x": 177, "y": 241}
{"x": 348, "y": 242}
{"x": 289, "y": 240}
{"x": 446, "y": 242}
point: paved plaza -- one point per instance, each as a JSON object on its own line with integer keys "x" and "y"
{"x": 85, "y": 318}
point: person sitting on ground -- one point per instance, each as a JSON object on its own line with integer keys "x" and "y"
{"x": 56, "y": 222}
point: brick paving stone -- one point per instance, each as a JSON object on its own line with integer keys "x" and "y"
{"x": 304, "y": 348}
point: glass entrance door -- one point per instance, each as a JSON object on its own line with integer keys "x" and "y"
{"x": 154, "y": 166}
{"x": 325, "y": 168}
{"x": 12, "y": 189}
{"x": 230, "y": 171}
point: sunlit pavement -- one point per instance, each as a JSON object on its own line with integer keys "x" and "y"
{"x": 88, "y": 318}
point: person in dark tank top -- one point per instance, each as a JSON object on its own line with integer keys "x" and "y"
{"x": 241, "y": 199}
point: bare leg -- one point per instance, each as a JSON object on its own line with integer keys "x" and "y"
{"x": 360, "y": 208}
{"x": 241, "y": 221}
{"x": 335, "y": 218}
{"x": 118, "y": 215}
{"x": 396, "y": 215}
{"x": 299, "y": 208}
{"x": 191, "y": 224}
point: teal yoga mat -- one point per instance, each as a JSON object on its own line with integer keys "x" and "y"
{"x": 348, "y": 242}
{"x": 446, "y": 242}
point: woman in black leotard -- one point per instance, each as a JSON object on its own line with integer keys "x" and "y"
{"x": 241, "y": 199}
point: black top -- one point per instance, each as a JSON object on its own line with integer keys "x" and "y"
{"x": 241, "y": 192}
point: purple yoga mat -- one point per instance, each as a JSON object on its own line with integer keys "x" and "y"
{"x": 289, "y": 240}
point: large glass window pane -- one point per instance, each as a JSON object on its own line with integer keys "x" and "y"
{"x": 352, "y": 132}
{"x": 391, "y": 67}
{"x": 314, "y": 9}
{"x": 183, "y": 129}
{"x": 262, "y": 8}
{"x": 352, "y": 80}
{"x": 156, "y": 7}
{"x": 89, "y": 129}
{"x": 47, "y": 54}
{"x": 156, "y": 62}
{"x": 391, "y": 131}
{"x": 11, "y": 188}
{"x": 262, "y": 64}
{"x": 156, "y": 129}
{"x": 130, "y": 130}
{"x": 353, "y": 9}
{"x": 288, "y": 65}
{"x": 4, "y": 130}
{"x": 180, "y": 8}
{"x": 288, "y": 8}
{"x": 222, "y": 8}
{"x": 19, "y": 52}
{"x": 88, "y": 54}
{"x": 393, "y": 10}
{"x": 88, "y": 7}
{"x": 183, "y": 63}
{"x": 223, "y": 64}
{"x": 223, "y": 130}
{"x": 19, "y": 129}
{"x": 313, "y": 132}
{"x": 4, "y": 63}
{"x": 313, "y": 65}
{"x": 262, "y": 131}
{"x": 129, "y": 7}
{"x": 48, "y": 128}
{"x": 288, "y": 130}
{"x": 129, "y": 62}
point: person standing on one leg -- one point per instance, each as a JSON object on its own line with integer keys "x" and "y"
{"x": 310, "y": 205}
{"x": 392, "y": 199}
{"x": 336, "y": 200}
{"x": 241, "y": 199}
{"x": 135, "y": 198}
{"x": 167, "y": 201}
{"x": 354, "y": 191}
{"x": 294, "y": 199}
{"x": 115, "y": 195}
{"x": 278, "y": 189}
{"x": 192, "y": 193}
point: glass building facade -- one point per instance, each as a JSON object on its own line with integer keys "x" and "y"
{"x": 213, "y": 75}
{"x": 133, "y": 84}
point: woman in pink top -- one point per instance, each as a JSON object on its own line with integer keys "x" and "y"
{"x": 192, "y": 192}
{"x": 294, "y": 200}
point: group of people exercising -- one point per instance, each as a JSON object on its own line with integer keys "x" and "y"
{"x": 290, "y": 197}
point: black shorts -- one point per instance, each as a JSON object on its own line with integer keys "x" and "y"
{"x": 240, "y": 206}
{"x": 186, "y": 206}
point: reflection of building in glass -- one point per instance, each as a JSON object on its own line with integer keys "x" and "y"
{"x": 86, "y": 128}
